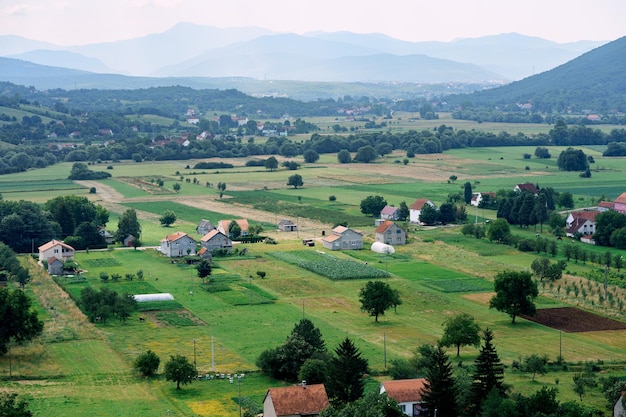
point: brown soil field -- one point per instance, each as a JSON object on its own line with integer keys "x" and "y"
{"x": 574, "y": 320}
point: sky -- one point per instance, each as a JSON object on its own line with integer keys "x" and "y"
{"x": 80, "y": 22}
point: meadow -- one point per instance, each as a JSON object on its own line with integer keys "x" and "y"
{"x": 79, "y": 368}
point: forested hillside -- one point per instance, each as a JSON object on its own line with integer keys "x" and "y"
{"x": 593, "y": 82}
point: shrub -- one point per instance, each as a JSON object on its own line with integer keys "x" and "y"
{"x": 332, "y": 198}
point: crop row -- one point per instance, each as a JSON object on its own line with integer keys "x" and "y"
{"x": 329, "y": 266}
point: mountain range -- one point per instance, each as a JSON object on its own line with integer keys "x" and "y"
{"x": 189, "y": 50}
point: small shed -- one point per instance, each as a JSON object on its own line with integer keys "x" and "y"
{"x": 287, "y": 225}
{"x": 380, "y": 247}
{"x": 128, "y": 241}
{"x": 55, "y": 266}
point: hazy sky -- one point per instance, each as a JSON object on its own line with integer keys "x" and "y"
{"x": 77, "y": 22}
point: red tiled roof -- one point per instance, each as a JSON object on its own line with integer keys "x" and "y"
{"x": 382, "y": 228}
{"x": 340, "y": 229}
{"x": 419, "y": 204}
{"x": 404, "y": 390}
{"x": 299, "y": 400}
{"x": 175, "y": 236}
{"x": 605, "y": 204}
{"x": 589, "y": 215}
{"x": 52, "y": 244}
{"x": 331, "y": 238}
{"x": 528, "y": 186}
{"x": 621, "y": 198}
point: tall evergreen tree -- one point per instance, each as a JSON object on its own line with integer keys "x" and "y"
{"x": 346, "y": 370}
{"x": 311, "y": 334}
{"x": 467, "y": 192}
{"x": 540, "y": 211}
{"x": 525, "y": 212}
{"x": 439, "y": 392}
{"x": 488, "y": 374}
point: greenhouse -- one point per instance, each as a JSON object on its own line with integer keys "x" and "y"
{"x": 144, "y": 298}
{"x": 380, "y": 247}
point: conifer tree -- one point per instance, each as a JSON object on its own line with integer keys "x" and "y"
{"x": 439, "y": 393}
{"x": 346, "y": 370}
{"x": 489, "y": 373}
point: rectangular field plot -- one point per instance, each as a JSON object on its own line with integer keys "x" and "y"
{"x": 329, "y": 266}
{"x": 459, "y": 285}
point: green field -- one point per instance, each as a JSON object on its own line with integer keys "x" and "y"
{"x": 77, "y": 367}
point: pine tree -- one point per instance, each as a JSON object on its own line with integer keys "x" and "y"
{"x": 346, "y": 370}
{"x": 439, "y": 393}
{"x": 489, "y": 373}
{"x": 467, "y": 192}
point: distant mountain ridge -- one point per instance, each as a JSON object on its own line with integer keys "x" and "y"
{"x": 189, "y": 49}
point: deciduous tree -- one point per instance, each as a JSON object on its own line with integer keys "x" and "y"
{"x": 377, "y": 297}
{"x": 460, "y": 330}
{"x": 515, "y": 294}
{"x": 18, "y": 323}
{"x": 295, "y": 181}
{"x": 179, "y": 370}
{"x": 372, "y": 205}
{"x": 167, "y": 218}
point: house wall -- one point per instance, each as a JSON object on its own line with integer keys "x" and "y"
{"x": 179, "y": 247}
{"x": 351, "y": 240}
{"x": 619, "y": 207}
{"x": 57, "y": 251}
{"x": 394, "y": 235}
{"x": 414, "y": 216}
{"x": 268, "y": 407}
{"x": 218, "y": 242}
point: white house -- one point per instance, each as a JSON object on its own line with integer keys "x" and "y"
{"x": 583, "y": 222}
{"x": 407, "y": 392}
{"x": 477, "y": 198}
{"x": 178, "y": 244}
{"x": 416, "y": 209}
{"x": 55, "y": 249}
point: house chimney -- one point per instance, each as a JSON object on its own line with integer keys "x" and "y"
{"x": 303, "y": 384}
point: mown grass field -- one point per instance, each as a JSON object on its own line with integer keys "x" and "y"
{"x": 77, "y": 367}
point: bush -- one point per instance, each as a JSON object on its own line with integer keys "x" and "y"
{"x": 92, "y": 190}
{"x": 332, "y": 198}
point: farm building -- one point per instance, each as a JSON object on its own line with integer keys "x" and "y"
{"x": 204, "y": 227}
{"x": 222, "y": 226}
{"x": 390, "y": 233}
{"x": 583, "y": 222}
{"x": 477, "y": 198}
{"x": 527, "y": 186}
{"x": 343, "y": 238}
{"x": 295, "y": 401}
{"x": 56, "y": 249}
{"x": 55, "y": 266}
{"x": 416, "y": 209}
{"x": 178, "y": 244}
{"x": 287, "y": 225}
{"x": 216, "y": 240}
{"x": 389, "y": 213}
{"x": 407, "y": 392}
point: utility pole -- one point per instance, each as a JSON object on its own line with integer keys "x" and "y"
{"x": 194, "y": 356}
